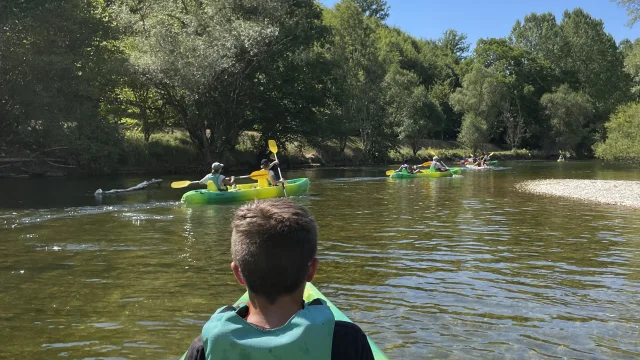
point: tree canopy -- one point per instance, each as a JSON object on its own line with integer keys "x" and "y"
{"x": 82, "y": 74}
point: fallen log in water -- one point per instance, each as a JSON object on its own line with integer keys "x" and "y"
{"x": 140, "y": 186}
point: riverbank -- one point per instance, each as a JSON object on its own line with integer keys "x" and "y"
{"x": 172, "y": 153}
{"x": 608, "y": 192}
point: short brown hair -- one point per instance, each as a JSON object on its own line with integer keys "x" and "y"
{"x": 273, "y": 242}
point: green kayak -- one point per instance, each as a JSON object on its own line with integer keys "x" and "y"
{"x": 310, "y": 293}
{"x": 425, "y": 174}
{"x": 246, "y": 192}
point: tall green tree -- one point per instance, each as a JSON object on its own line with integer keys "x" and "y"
{"x": 353, "y": 49}
{"x": 481, "y": 99}
{"x": 410, "y": 110}
{"x": 454, "y": 42}
{"x": 540, "y": 34}
{"x": 631, "y": 53}
{"x": 213, "y": 62}
{"x": 59, "y": 63}
{"x": 568, "y": 112}
{"x": 592, "y": 62}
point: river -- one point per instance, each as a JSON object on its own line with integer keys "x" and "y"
{"x": 464, "y": 267}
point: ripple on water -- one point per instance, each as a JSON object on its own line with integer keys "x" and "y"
{"x": 29, "y": 217}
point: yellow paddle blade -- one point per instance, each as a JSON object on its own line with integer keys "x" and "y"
{"x": 389, "y": 172}
{"x": 180, "y": 184}
{"x": 260, "y": 174}
{"x": 490, "y": 154}
{"x": 273, "y": 146}
{"x": 428, "y": 163}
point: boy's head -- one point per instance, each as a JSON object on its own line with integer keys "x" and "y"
{"x": 274, "y": 244}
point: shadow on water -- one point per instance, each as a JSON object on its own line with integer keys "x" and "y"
{"x": 462, "y": 267}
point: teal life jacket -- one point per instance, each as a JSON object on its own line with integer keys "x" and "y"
{"x": 307, "y": 335}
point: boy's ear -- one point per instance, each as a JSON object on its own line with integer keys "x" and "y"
{"x": 236, "y": 272}
{"x": 313, "y": 269}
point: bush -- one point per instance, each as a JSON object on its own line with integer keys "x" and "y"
{"x": 623, "y": 135}
{"x": 165, "y": 152}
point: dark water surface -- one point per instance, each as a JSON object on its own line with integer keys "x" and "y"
{"x": 463, "y": 267}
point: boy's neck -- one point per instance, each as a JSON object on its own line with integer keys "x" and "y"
{"x": 271, "y": 316}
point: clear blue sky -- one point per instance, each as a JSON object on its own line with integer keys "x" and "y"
{"x": 494, "y": 18}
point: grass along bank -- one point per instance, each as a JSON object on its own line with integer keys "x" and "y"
{"x": 171, "y": 152}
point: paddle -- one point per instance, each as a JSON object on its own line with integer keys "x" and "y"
{"x": 274, "y": 149}
{"x": 256, "y": 175}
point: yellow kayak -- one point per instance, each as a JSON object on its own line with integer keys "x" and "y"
{"x": 246, "y": 192}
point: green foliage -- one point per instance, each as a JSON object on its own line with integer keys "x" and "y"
{"x": 59, "y": 64}
{"x": 455, "y": 43}
{"x": 164, "y": 151}
{"x": 409, "y": 107}
{"x": 633, "y": 10}
{"x": 568, "y": 111}
{"x": 631, "y": 53}
{"x": 220, "y": 65}
{"x": 474, "y": 132}
{"x": 623, "y": 135}
{"x": 482, "y": 94}
{"x": 378, "y": 9}
{"x": 108, "y": 79}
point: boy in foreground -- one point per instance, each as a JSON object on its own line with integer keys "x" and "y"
{"x": 273, "y": 248}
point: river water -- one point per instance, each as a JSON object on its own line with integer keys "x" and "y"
{"x": 460, "y": 268}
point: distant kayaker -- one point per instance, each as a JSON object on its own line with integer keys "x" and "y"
{"x": 274, "y": 253}
{"x": 436, "y": 166}
{"x": 273, "y": 175}
{"x": 220, "y": 181}
{"x": 561, "y": 158}
{"x": 405, "y": 166}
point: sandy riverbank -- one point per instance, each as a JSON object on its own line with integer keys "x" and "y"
{"x": 610, "y": 192}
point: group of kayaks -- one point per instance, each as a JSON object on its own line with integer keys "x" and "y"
{"x": 293, "y": 187}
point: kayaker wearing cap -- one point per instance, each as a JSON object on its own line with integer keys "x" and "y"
{"x": 219, "y": 180}
{"x": 436, "y": 166}
{"x": 273, "y": 177}
{"x": 274, "y": 246}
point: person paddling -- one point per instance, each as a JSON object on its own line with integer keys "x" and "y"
{"x": 404, "y": 166}
{"x": 220, "y": 181}
{"x": 273, "y": 176}
{"x": 274, "y": 247}
{"x": 437, "y": 166}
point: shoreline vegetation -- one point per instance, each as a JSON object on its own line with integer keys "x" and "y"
{"x": 167, "y": 154}
{"x": 94, "y": 87}
{"x": 606, "y": 192}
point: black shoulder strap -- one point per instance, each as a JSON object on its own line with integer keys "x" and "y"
{"x": 227, "y": 309}
{"x": 316, "y": 301}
